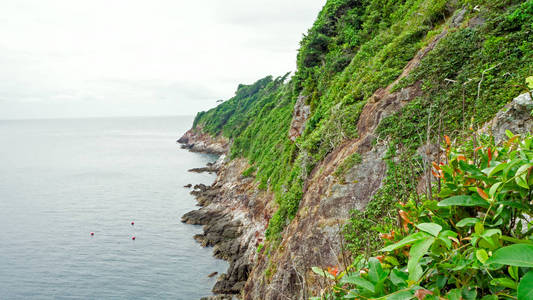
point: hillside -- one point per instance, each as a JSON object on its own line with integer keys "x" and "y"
{"x": 318, "y": 161}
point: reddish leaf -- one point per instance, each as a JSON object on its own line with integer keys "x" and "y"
{"x": 387, "y": 236}
{"x": 447, "y": 138}
{"x": 333, "y": 271}
{"x": 404, "y": 217}
{"x": 482, "y": 193}
{"x": 422, "y": 293}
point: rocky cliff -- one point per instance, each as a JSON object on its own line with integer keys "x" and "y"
{"x": 315, "y": 164}
{"x": 235, "y": 213}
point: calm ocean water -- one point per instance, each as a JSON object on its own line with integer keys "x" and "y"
{"x": 62, "y": 179}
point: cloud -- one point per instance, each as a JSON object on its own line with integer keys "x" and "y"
{"x": 72, "y": 58}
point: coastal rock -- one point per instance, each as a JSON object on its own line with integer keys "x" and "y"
{"x": 222, "y": 230}
{"x": 197, "y": 141}
{"x": 218, "y": 297}
{"x": 313, "y": 235}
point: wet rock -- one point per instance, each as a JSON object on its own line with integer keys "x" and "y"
{"x": 201, "y": 187}
{"x": 221, "y": 232}
{"x": 202, "y": 170}
{"x": 212, "y": 274}
{"x": 200, "y": 217}
{"x": 224, "y": 205}
{"x": 218, "y": 297}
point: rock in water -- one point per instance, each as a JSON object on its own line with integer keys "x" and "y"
{"x": 212, "y": 274}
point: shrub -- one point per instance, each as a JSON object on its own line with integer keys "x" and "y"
{"x": 475, "y": 241}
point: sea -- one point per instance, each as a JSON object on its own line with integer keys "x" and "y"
{"x": 63, "y": 179}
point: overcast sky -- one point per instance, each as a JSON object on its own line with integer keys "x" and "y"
{"x": 74, "y": 58}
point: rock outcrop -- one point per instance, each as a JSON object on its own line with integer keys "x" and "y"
{"x": 299, "y": 117}
{"x": 234, "y": 215}
{"x": 235, "y": 212}
{"x": 515, "y": 117}
{"x": 197, "y": 141}
{"x": 313, "y": 238}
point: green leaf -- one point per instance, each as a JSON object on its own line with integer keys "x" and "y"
{"x": 521, "y": 174}
{"x": 513, "y": 271}
{"x": 430, "y": 228}
{"x": 441, "y": 281}
{"x": 321, "y": 272}
{"x": 467, "y": 222}
{"x": 406, "y": 240}
{"x": 375, "y": 271}
{"x": 521, "y": 182}
{"x": 494, "y": 188}
{"x": 482, "y": 255}
{"x": 400, "y": 295}
{"x": 505, "y": 282}
{"x": 418, "y": 250}
{"x": 479, "y": 228}
{"x": 392, "y": 260}
{"x": 529, "y": 82}
{"x": 509, "y": 133}
{"x": 398, "y": 278}
{"x": 469, "y": 293}
{"x": 525, "y": 287}
{"x": 511, "y": 165}
{"x": 358, "y": 281}
{"x": 490, "y": 232}
{"x": 463, "y": 200}
{"x": 520, "y": 255}
{"x": 493, "y": 170}
{"x": 444, "y": 236}
{"x": 515, "y": 240}
{"x": 454, "y": 294}
{"x": 472, "y": 169}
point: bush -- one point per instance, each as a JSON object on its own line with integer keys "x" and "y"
{"x": 475, "y": 241}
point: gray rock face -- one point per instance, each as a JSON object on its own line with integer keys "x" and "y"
{"x": 515, "y": 117}
{"x": 299, "y": 117}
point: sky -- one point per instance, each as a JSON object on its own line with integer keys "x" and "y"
{"x": 103, "y": 58}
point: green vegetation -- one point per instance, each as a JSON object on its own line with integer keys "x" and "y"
{"x": 346, "y": 165}
{"x": 475, "y": 243}
{"x": 249, "y": 172}
{"x": 354, "y": 48}
{"x": 451, "y": 107}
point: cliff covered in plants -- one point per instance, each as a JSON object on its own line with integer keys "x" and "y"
{"x": 318, "y": 162}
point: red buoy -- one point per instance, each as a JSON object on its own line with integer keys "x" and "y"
{"x": 92, "y": 233}
{"x": 133, "y": 238}
{"x": 132, "y": 223}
